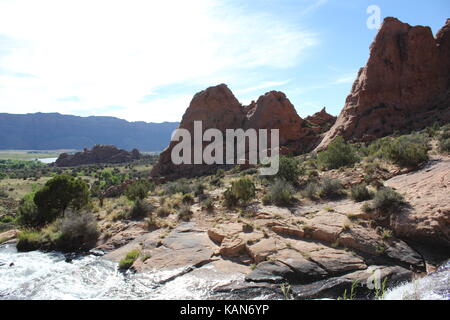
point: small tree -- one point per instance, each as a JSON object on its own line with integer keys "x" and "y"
{"x": 138, "y": 189}
{"x": 338, "y": 154}
{"x": 289, "y": 169}
{"x": 59, "y": 193}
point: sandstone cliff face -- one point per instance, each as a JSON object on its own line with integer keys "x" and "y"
{"x": 404, "y": 86}
{"x": 98, "y": 154}
{"x": 218, "y": 108}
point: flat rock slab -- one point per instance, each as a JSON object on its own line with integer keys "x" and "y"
{"x": 427, "y": 191}
{"x": 185, "y": 247}
{"x": 337, "y": 261}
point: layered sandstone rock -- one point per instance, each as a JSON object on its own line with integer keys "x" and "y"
{"x": 98, "y": 154}
{"x": 321, "y": 121}
{"x": 405, "y": 84}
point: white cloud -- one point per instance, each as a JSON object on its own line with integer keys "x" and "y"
{"x": 110, "y": 52}
{"x": 264, "y": 85}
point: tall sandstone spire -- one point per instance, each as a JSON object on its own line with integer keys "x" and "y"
{"x": 405, "y": 84}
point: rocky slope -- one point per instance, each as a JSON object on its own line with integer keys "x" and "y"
{"x": 98, "y": 154}
{"x": 405, "y": 84}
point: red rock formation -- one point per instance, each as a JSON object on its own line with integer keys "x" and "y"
{"x": 98, "y": 154}
{"x": 404, "y": 86}
{"x": 321, "y": 121}
{"x": 217, "y": 108}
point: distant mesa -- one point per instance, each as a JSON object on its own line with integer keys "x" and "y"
{"x": 98, "y": 154}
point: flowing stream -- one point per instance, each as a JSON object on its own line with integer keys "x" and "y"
{"x": 39, "y": 275}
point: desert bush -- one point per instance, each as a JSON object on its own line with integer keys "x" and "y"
{"x": 180, "y": 186}
{"x": 241, "y": 190}
{"x": 187, "y": 198}
{"x": 444, "y": 145}
{"x": 28, "y": 241}
{"x": 280, "y": 193}
{"x": 199, "y": 189}
{"x": 338, "y": 154}
{"x": 163, "y": 211}
{"x": 330, "y": 189}
{"x": 360, "y": 193}
{"x": 387, "y": 200}
{"x": 140, "y": 209}
{"x": 444, "y": 139}
{"x": 185, "y": 213}
{"x": 3, "y": 193}
{"x": 139, "y": 189}
{"x": 129, "y": 259}
{"x": 406, "y": 151}
{"x": 311, "y": 190}
{"x": 77, "y": 231}
{"x": 28, "y": 214}
{"x": 289, "y": 169}
{"x": 208, "y": 204}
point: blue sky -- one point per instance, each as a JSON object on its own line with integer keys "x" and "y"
{"x": 144, "y": 60}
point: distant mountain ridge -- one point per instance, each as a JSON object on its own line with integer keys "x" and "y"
{"x": 46, "y": 131}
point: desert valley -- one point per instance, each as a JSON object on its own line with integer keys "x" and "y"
{"x": 359, "y": 208}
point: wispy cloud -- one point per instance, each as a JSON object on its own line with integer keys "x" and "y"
{"x": 264, "y": 85}
{"x": 115, "y": 52}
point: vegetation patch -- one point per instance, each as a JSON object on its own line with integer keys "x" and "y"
{"x": 360, "y": 193}
{"x": 129, "y": 259}
{"x": 338, "y": 154}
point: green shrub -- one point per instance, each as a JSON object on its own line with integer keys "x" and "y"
{"x": 180, "y": 186}
{"x": 406, "y": 151}
{"x": 199, "y": 189}
{"x": 280, "y": 193}
{"x": 28, "y": 241}
{"x": 338, "y": 154}
{"x": 58, "y": 194}
{"x": 387, "y": 200}
{"x": 311, "y": 190}
{"x": 444, "y": 139}
{"x": 140, "y": 209}
{"x": 330, "y": 189}
{"x": 360, "y": 193}
{"x": 139, "y": 189}
{"x": 289, "y": 169}
{"x": 163, "y": 211}
{"x": 28, "y": 214}
{"x": 185, "y": 213}
{"x": 230, "y": 200}
{"x": 243, "y": 190}
{"x": 187, "y": 198}
{"x": 77, "y": 231}
{"x": 129, "y": 259}
{"x": 208, "y": 204}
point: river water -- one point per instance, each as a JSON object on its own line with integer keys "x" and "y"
{"x": 39, "y": 275}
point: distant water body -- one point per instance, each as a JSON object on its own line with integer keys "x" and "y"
{"x": 47, "y": 160}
